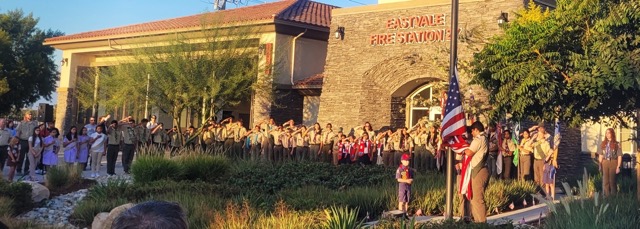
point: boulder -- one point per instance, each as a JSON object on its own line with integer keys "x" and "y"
{"x": 115, "y": 213}
{"x": 99, "y": 220}
{"x": 39, "y": 192}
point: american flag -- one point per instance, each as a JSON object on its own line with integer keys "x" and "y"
{"x": 454, "y": 122}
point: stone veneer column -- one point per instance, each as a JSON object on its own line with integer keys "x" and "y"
{"x": 66, "y": 106}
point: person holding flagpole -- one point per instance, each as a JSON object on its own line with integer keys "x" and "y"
{"x": 475, "y": 172}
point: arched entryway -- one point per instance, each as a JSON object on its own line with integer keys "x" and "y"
{"x": 416, "y": 100}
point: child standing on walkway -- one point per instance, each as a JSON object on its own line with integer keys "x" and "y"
{"x": 404, "y": 175}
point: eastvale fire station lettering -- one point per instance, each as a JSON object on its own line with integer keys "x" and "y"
{"x": 400, "y": 36}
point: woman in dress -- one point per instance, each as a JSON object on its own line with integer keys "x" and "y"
{"x": 49, "y": 154}
{"x": 35, "y": 152}
{"x": 83, "y": 148}
{"x": 70, "y": 145}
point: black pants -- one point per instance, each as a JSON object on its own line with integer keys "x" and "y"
{"x": 277, "y": 153}
{"x": 326, "y": 153}
{"x": 24, "y": 150}
{"x": 127, "y": 156}
{"x": 364, "y": 159}
{"x": 4, "y": 154}
{"x": 112, "y": 156}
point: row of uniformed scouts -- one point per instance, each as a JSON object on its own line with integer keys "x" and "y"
{"x": 268, "y": 141}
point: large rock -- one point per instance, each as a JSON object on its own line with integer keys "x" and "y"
{"x": 115, "y": 213}
{"x": 99, "y": 220}
{"x": 39, "y": 192}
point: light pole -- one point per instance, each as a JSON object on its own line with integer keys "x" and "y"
{"x": 146, "y": 100}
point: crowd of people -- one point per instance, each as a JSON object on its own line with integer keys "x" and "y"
{"x": 530, "y": 154}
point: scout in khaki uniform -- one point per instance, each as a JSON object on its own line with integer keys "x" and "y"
{"x": 239, "y": 134}
{"x": 302, "y": 143}
{"x": 524, "y": 155}
{"x": 113, "y": 146}
{"x": 419, "y": 150}
{"x": 23, "y": 132}
{"x": 276, "y": 134}
{"x": 479, "y": 174}
{"x": 326, "y": 145}
{"x": 315, "y": 137}
{"x": 130, "y": 138}
{"x": 5, "y": 136}
{"x": 176, "y": 142}
{"x": 541, "y": 149}
{"x": 143, "y": 133}
{"x": 227, "y": 135}
{"x": 218, "y": 135}
{"x": 384, "y": 139}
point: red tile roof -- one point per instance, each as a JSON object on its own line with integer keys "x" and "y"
{"x": 314, "y": 81}
{"x": 303, "y": 11}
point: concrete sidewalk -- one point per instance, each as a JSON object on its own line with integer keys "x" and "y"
{"x": 86, "y": 174}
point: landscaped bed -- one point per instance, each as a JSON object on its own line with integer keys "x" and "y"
{"x": 219, "y": 193}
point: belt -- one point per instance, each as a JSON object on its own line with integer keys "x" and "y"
{"x": 539, "y": 159}
{"x": 314, "y": 144}
{"x": 610, "y": 159}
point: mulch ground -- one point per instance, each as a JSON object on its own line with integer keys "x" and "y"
{"x": 84, "y": 184}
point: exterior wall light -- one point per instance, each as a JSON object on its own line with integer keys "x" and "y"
{"x": 339, "y": 34}
{"x": 504, "y": 18}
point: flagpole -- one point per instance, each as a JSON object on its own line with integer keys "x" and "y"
{"x": 452, "y": 64}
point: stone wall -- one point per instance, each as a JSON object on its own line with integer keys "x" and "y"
{"x": 368, "y": 76}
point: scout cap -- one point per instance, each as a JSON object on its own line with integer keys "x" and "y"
{"x": 405, "y": 157}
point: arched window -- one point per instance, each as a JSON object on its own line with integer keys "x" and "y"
{"x": 424, "y": 103}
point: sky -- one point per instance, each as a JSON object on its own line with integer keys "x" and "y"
{"x": 75, "y": 16}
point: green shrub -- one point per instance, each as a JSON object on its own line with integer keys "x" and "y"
{"x": 152, "y": 168}
{"x": 204, "y": 167}
{"x": 14, "y": 223}
{"x": 501, "y": 193}
{"x": 19, "y": 193}
{"x": 618, "y": 211}
{"x": 62, "y": 176}
{"x": 341, "y": 217}
{"x": 199, "y": 207}
{"x": 370, "y": 201}
{"x": 112, "y": 189}
{"x": 6, "y": 206}
{"x": 253, "y": 177}
{"x": 88, "y": 208}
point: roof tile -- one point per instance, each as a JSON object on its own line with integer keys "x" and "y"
{"x": 303, "y": 11}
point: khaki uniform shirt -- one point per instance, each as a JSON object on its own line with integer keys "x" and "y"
{"x": 479, "y": 147}
{"x": 541, "y": 149}
{"x": 115, "y": 135}
{"x": 277, "y": 137}
{"x": 314, "y": 137}
{"x": 143, "y": 134}
{"x": 328, "y": 137}
{"x": 129, "y": 135}
{"x": 239, "y": 132}
{"x": 25, "y": 129}
{"x": 5, "y": 135}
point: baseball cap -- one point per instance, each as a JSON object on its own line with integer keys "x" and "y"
{"x": 405, "y": 157}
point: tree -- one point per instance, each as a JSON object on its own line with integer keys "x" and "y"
{"x": 579, "y": 62}
{"x": 27, "y": 70}
{"x": 213, "y": 68}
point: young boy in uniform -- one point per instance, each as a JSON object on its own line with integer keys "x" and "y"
{"x": 404, "y": 175}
